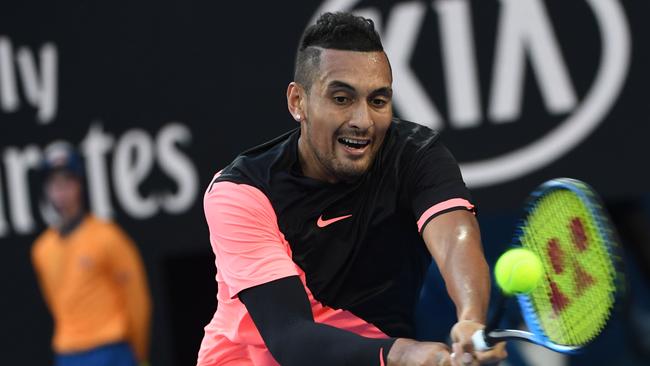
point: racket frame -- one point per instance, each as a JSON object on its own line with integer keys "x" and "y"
{"x": 536, "y": 335}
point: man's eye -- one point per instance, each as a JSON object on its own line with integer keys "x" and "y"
{"x": 340, "y": 100}
{"x": 378, "y": 102}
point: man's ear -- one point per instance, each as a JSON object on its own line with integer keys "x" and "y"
{"x": 296, "y": 100}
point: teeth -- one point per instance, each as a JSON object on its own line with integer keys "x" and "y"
{"x": 354, "y": 141}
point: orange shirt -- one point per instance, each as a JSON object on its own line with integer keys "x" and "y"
{"x": 94, "y": 283}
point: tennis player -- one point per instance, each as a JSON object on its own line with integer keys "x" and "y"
{"x": 91, "y": 276}
{"x": 322, "y": 236}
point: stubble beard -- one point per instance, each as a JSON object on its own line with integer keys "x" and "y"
{"x": 334, "y": 166}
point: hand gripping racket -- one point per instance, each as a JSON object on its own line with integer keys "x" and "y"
{"x": 566, "y": 226}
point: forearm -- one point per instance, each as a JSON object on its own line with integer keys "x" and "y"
{"x": 282, "y": 314}
{"x": 467, "y": 279}
{"x": 310, "y": 343}
{"x": 455, "y": 243}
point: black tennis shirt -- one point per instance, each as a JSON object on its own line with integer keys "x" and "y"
{"x": 359, "y": 244}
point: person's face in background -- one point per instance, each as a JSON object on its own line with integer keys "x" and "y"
{"x": 64, "y": 191}
{"x": 347, "y": 112}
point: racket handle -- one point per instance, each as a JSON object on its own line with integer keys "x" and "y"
{"x": 480, "y": 342}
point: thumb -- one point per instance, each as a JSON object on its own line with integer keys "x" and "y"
{"x": 461, "y": 356}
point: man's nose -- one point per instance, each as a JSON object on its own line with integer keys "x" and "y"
{"x": 361, "y": 117}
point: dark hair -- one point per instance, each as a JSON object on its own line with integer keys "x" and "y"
{"x": 338, "y": 31}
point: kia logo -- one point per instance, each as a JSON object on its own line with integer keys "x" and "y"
{"x": 524, "y": 33}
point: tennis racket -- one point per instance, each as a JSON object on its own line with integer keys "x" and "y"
{"x": 566, "y": 226}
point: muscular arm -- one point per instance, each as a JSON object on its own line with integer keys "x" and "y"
{"x": 281, "y": 312}
{"x": 454, "y": 241}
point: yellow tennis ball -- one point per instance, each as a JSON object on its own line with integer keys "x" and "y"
{"x": 518, "y": 271}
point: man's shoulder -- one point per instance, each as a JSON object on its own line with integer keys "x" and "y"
{"x": 411, "y": 133}
{"x": 104, "y": 229}
{"x": 256, "y": 166}
{"x": 46, "y": 236}
{"x": 45, "y": 239}
{"x": 406, "y": 141}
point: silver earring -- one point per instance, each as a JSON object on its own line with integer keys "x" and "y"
{"x": 297, "y": 117}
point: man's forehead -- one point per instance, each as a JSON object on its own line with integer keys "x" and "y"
{"x": 61, "y": 175}
{"x": 354, "y": 65}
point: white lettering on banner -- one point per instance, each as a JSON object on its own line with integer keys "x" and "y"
{"x": 399, "y": 39}
{"x": 8, "y": 90}
{"x": 524, "y": 31}
{"x": 177, "y": 166}
{"x": 40, "y": 86}
{"x": 95, "y": 146}
{"x": 4, "y": 226}
{"x": 18, "y": 163}
{"x": 524, "y": 26}
{"x": 134, "y": 154}
{"x": 41, "y": 91}
{"x": 610, "y": 77}
{"x": 459, "y": 59}
{"x": 132, "y": 163}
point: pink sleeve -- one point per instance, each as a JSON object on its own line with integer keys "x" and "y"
{"x": 247, "y": 243}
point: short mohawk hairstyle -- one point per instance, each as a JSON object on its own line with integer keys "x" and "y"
{"x": 337, "y": 31}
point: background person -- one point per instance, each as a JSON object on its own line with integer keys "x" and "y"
{"x": 91, "y": 275}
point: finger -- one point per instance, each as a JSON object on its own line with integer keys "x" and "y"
{"x": 464, "y": 338}
{"x": 458, "y": 356}
{"x": 467, "y": 359}
{"x": 466, "y": 353}
{"x": 467, "y": 345}
{"x": 496, "y": 354}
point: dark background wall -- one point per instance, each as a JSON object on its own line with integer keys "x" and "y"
{"x": 160, "y": 94}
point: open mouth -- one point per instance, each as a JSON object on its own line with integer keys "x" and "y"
{"x": 354, "y": 143}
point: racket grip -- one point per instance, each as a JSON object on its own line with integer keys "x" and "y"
{"x": 480, "y": 343}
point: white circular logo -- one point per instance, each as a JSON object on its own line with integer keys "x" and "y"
{"x": 523, "y": 28}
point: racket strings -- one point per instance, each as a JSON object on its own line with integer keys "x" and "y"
{"x": 573, "y": 303}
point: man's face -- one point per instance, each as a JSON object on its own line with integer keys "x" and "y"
{"x": 63, "y": 190}
{"x": 348, "y": 110}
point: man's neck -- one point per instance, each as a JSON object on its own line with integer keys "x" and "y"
{"x": 309, "y": 163}
{"x": 70, "y": 222}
